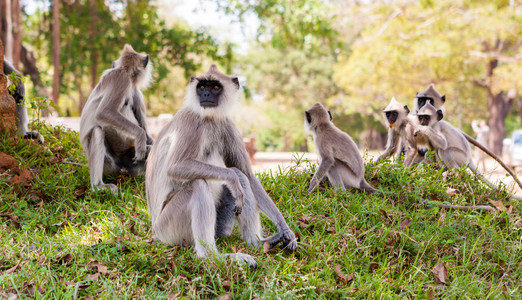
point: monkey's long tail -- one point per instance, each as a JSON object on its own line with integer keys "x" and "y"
{"x": 479, "y": 145}
{"x": 486, "y": 181}
{"x": 462, "y": 207}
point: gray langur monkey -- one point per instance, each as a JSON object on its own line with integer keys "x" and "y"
{"x": 432, "y": 96}
{"x": 448, "y": 142}
{"x": 429, "y": 95}
{"x": 113, "y": 132}
{"x": 21, "y": 110}
{"x": 339, "y": 156}
{"x": 199, "y": 179}
{"x": 400, "y": 133}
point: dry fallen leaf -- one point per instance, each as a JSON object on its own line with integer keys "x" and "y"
{"x": 92, "y": 277}
{"x": 405, "y": 224}
{"x": 373, "y": 267}
{"x": 14, "y": 220}
{"x": 66, "y": 260}
{"x": 383, "y": 213}
{"x": 498, "y": 205}
{"x": 101, "y": 268}
{"x": 12, "y": 269}
{"x": 62, "y": 223}
{"x": 441, "y": 273}
{"x": 450, "y": 191}
{"x": 226, "y": 296}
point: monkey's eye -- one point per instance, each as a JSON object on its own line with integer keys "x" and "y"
{"x": 202, "y": 87}
{"x": 216, "y": 87}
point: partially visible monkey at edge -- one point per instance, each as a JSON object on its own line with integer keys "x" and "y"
{"x": 340, "y": 159}
{"x": 432, "y": 96}
{"x": 448, "y": 142}
{"x": 113, "y": 130}
{"x": 199, "y": 178}
{"x": 400, "y": 133}
{"x": 18, "y": 94}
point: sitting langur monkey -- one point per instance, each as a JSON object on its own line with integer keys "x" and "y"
{"x": 400, "y": 133}
{"x": 199, "y": 178}
{"x": 405, "y": 142}
{"x": 448, "y": 142}
{"x": 340, "y": 159}
{"x": 433, "y": 97}
{"x": 112, "y": 128}
{"x": 21, "y": 111}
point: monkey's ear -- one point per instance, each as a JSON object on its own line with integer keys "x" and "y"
{"x": 192, "y": 78}
{"x": 406, "y": 109}
{"x": 416, "y": 94}
{"x": 236, "y": 81}
{"x": 308, "y": 117}
{"x": 439, "y": 115}
{"x": 443, "y": 98}
{"x": 114, "y": 64}
{"x": 330, "y": 114}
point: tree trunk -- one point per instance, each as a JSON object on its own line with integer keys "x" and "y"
{"x": 7, "y": 103}
{"x": 16, "y": 12}
{"x": 56, "y": 50}
{"x": 498, "y": 105}
{"x": 94, "y": 51}
{"x": 8, "y": 29}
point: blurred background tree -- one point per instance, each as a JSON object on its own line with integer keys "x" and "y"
{"x": 351, "y": 55}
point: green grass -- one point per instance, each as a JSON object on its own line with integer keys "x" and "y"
{"x": 353, "y": 244}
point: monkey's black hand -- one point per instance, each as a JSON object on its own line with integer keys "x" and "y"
{"x": 237, "y": 210}
{"x": 288, "y": 240}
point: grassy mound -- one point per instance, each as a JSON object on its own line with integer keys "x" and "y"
{"x": 60, "y": 239}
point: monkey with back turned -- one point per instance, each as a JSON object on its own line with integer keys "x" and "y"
{"x": 113, "y": 129}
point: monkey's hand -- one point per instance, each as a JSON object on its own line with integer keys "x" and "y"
{"x": 140, "y": 146}
{"x": 313, "y": 185}
{"x": 150, "y": 140}
{"x": 286, "y": 237}
{"x": 416, "y": 131}
{"x": 236, "y": 189}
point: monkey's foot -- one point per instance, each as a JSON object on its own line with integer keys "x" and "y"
{"x": 34, "y": 135}
{"x": 243, "y": 258}
{"x": 107, "y": 186}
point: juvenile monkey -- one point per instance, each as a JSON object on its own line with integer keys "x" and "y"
{"x": 340, "y": 159}
{"x": 113, "y": 132}
{"x": 433, "y": 97}
{"x": 199, "y": 178}
{"x": 21, "y": 111}
{"x": 448, "y": 142}
{"x": 400, "y": 133}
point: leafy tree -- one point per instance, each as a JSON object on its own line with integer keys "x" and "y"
{"x": 459, "y": 45}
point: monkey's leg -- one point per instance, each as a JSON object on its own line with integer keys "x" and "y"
{"x": 323, "y": 169}
{"x": 225, "y": 214}
{"x": 21, "y": 123}
{"x": 203, "y": 216}
{"x": 411, "y": 157}
{"x": 97, "y": 160}
{"x": 248, "y": 219}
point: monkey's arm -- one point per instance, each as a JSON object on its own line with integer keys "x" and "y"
{"x": 108, "y": 113}
{"x": 391, "y": 145}
{"x": 436, "y": 138}
{"x": 324, "y": 167}
{"x": 238, "y": 158}
{"x": 139, "y": 112}
{"x": 191, "y": 169}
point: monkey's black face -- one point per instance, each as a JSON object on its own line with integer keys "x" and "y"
{"x": 145, "y": 61}
{"x": 422, "y": 101}
{"x": 424, "y": 119}
{"x": 209, "y": 92}
{"x": 391, "y": 116}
